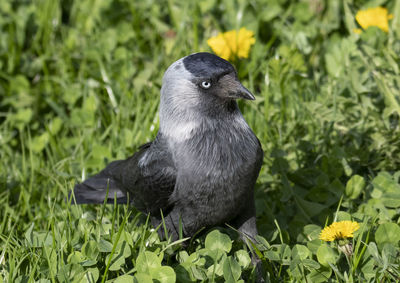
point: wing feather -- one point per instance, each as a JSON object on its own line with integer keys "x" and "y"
{"x": 147, "y": 179}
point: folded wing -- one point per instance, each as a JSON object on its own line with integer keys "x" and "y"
{"x": 146, "y": 179}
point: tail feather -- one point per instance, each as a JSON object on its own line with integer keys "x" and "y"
{"x": 106, "y": 186}
{"x": 94, "y": 191}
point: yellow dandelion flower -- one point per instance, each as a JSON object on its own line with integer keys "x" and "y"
{"x": 374, "y": 17}
{"x": 339, "y": 230}
{"x": 232, "y": 44}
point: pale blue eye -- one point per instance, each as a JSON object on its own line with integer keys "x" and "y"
{"x": 206, "y": 84}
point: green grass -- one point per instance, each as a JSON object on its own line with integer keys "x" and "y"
{"x": 79, "y": 87}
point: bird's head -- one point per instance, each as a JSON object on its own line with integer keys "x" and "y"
{"x": 203, "y": 77}
{"x": 197, "y": 86}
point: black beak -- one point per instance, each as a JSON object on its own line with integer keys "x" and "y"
{"x": 234, "y": 89}
{"x": 245, "y": 93}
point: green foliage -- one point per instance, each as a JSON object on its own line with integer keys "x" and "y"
{"x": 79, "y": 87}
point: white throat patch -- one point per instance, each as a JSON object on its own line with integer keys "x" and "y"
{"x": 180, "y": 131}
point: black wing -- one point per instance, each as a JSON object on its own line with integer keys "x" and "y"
{"x": 154, "y": 179}
{"x": 146, "y": 179}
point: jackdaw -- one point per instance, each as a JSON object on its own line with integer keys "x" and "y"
{"x": 201, "y": 169}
